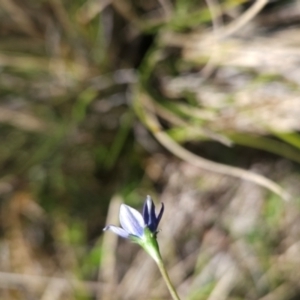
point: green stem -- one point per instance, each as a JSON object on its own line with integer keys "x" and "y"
{"x": 150, "y": 245}
{"x": 167, "y": 280}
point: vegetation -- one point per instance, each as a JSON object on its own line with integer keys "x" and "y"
{"x": 195, "y": 103}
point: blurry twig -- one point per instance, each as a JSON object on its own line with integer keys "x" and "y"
{"x": 196, "y": 160}
{"x": 216, "y": 14}
{"x": 54, "y": 290}
{"x": 21, "y": 120}
{"x": 167, "y": 7}
{"x": 20, "y": 17}
{"x": 90, "y": 9}
{"x": 176, "y": 120}
{"x": 283, "y": 291}
{"x": 149, "y": 118}
{"x": 9, "y": 280}
{"x": 217, "y": 22}
{"x": 62, "y": 16}
{"x": 245, "y": 18}
{"x": 138, "y": 277}
{"x": 125, "y": 9}
{"x": 75, "y": 42}
{"x": 107, "y": 266}
{"x": 224, "y": 285}
{"x": 220, "y": 32}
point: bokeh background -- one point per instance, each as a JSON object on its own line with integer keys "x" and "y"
{"x": 195, "y": 103}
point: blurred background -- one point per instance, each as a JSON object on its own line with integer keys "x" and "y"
{"x": 195, "y": 103}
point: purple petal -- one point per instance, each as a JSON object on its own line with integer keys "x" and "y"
{"x": 160, "y": 214}
{"x": 146, "y": 212}
{"x": 151, "y": 211}
{"x": 131, "y": 220}
{"x": 117, "y": 230}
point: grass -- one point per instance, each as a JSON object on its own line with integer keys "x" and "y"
{"x": 105, "y": 104}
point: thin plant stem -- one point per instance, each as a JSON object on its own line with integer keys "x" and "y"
{"x": 167, "y": 280}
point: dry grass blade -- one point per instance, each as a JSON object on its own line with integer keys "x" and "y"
{"x": 245, "y": 18}
{"x": 196, "y": 160}
{"x": 284, "y": 291}
{"x": 224, "y": 285}
{"x": 20, "y": 17}
{"x": 139, "y": 277}
{"x": 63, "y": 17}
{"x": 167, "y": 7}
{"x": 13, "y": 280}
{"x": 218, "y": 25}
{"x": 108, "y": 263}
{"x": 152, "y": 123}
{"x": 177, "y": 121}
{"x": 126, "y": 11}
{"x": 91, "y": 9}
{"x": 54, "y": 290}
{"x": 21, "y": 120}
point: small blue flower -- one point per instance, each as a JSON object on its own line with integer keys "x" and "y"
{"x": 134, "y": 224}
{"x": 142, "y": 229}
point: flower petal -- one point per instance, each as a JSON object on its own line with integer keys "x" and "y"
{"x": 131, "y": 220}
{"x": 117, "y": 230}
{"x": 151, "y": 211}
{"x": 160, "y": 214}
{"x": 146, "y": 212}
